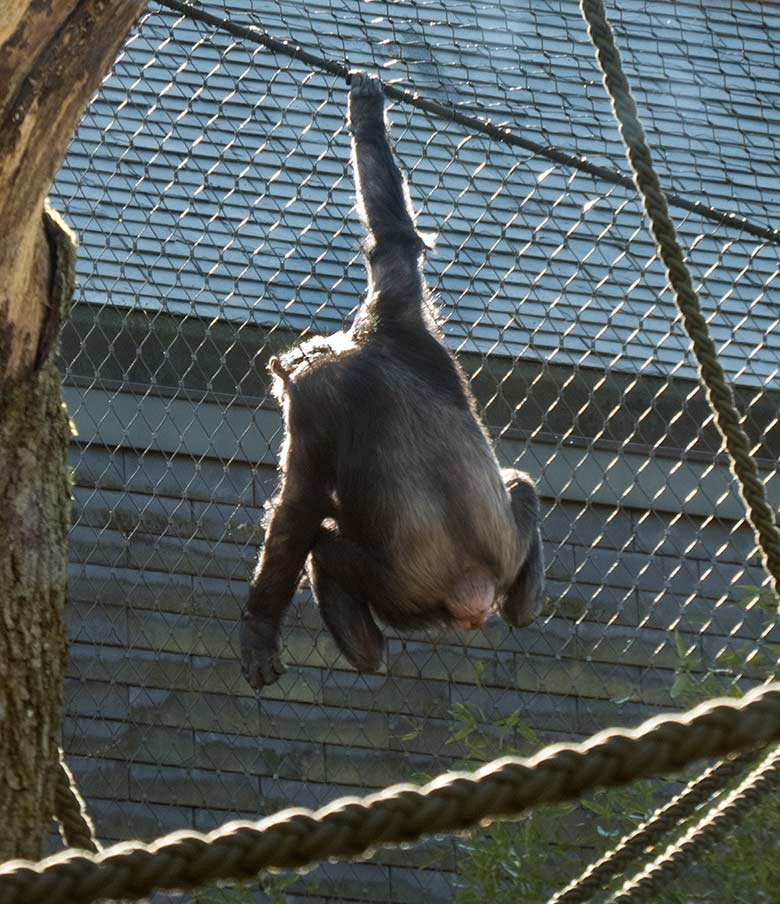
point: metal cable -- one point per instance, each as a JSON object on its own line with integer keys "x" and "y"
{"x": 502, "y": 134}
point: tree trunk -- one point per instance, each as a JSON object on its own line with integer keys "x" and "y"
{"x": 34, "y": 515}
{"x": 52, "y": 57}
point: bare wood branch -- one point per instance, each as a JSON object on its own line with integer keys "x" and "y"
{"x": 26, "y": 26}
{"x": 60, "y": 52}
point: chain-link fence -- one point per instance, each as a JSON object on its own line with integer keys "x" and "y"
{"x": 211, "y": 189}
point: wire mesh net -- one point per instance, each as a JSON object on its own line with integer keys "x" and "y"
{"x": 211, "y": 189}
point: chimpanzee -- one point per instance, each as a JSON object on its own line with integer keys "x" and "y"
{"x": 391, "y": 495}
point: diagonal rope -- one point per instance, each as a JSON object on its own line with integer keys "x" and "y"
{"x": 726, "y": 816}
{"x": 75, "y": 825}
{"x": 502, "y": 134}
{"x": 664, "y": 820}
{"x": 350, "y": 827}
{"x": 719, "y": 393}
{"x": 721, "y": 401}
{"x": 507, "y": 787}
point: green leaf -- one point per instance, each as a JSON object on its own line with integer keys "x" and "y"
{"x": 527, "y": 733}
{"x": 681, "y": 686}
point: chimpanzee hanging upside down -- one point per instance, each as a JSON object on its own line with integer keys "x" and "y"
{"x": 390, "y": 487}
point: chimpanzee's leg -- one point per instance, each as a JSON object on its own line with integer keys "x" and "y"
{"x": 343, "y": 578}
{"x": 524, "y": 599}
{"x": 349, "y": 621}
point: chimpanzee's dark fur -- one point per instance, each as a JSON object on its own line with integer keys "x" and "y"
{"x": 390, "y": 487}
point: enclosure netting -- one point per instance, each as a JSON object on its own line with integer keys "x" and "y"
{"x": 211, "y": 189}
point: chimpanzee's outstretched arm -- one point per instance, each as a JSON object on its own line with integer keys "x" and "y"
{"x": 394, "y": 248}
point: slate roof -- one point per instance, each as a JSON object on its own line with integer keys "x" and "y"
{"x": 211, "y": 178}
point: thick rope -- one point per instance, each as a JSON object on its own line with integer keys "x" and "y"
{"x": 727, "y": 815}
{"x": 665, "y": 819}
{"x": 502, "y": 134}
{"x": 350, "y": 827}
{"x": 507, "y": 787}
{"x": 75, "y": 825}
{"x": 719, "y": 394}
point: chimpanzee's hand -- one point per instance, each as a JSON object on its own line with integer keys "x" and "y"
{"x": 366, "y": 99}
{"x": 260, "y": 649}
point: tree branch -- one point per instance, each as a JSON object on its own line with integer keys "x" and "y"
{"x": 54, "y": 55}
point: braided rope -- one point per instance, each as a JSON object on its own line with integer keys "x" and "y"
{"x": 75, "y": 825}
{"x": 721, "y": 402}
{"x": 664, "y": 820}
{"x": 655, "y": 877}
{"x": 719, "y": 393}
{"x": 352, "y": 826}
